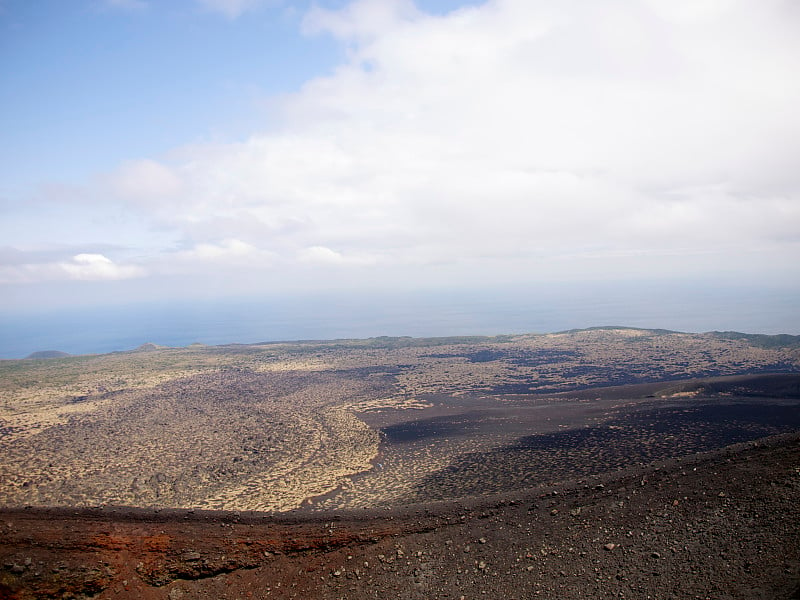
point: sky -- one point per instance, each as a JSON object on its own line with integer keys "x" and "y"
{"x": 158, "y": 150}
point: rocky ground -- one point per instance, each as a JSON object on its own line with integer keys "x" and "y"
{"x": 272, "y": 427}
{"x": 357, "y": 452}
{"x": 718, "y": 525}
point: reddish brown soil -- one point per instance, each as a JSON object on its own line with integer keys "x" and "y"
{"x": 719, "y": 525}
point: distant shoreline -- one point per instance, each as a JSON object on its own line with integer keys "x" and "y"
{"x": 762, "y": 339}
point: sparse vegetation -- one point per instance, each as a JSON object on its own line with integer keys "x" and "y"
{"x": 270, "y": 426}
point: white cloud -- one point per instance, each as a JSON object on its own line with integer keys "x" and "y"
{"x": 25, "y": 268}
{"x": 94, "y": 267}
{"x": 145, "y": 181}
{"x": 321, "y": 254}
{"x": 326, "y": 256}
{"x": 510, "y": 138}
{"x": 226, "y": 251}
{"x": 361, "y": 19}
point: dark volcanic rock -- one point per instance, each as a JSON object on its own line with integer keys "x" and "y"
{"x": 670, "y": 534}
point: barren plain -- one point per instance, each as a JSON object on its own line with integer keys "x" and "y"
{"x": 405, "y": 433}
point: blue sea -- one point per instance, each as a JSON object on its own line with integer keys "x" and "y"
{"x": 99, "y": 329}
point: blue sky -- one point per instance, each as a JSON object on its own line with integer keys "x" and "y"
{"x": 170, "y": 150}
{"x": 111, "y": 80}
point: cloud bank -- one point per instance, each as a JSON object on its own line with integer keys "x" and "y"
{"x": 516, "y": 139}
{"x": 20, "y": 267}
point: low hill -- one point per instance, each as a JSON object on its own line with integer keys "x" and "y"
{"x": 44, "y": 354}
{"x": 148, "y": 347}
{"x": 761, "y": 340}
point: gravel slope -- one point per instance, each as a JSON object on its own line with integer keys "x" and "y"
{"x": 720, "y": 525}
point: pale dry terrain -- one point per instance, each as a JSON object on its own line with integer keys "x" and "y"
{"x": 274, "y": 427}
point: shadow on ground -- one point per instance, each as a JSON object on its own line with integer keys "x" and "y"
{"x": 635, "y": 438}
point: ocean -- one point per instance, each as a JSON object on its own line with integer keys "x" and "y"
{"x": 87, "y": 330}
